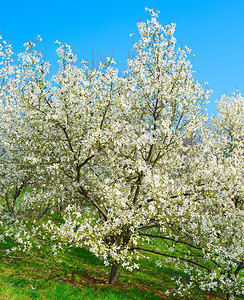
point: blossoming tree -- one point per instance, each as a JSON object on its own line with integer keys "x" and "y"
{"x": 110, "y": 152}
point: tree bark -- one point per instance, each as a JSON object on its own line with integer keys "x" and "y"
{"x": 114, "y": 274}
{"x": 229, "y": 296}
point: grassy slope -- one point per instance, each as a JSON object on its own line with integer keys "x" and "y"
{"x": 79, "y": 275}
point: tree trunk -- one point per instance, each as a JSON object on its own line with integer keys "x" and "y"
{"x": 229, "y": 296}
{"x": 114, "y": 274}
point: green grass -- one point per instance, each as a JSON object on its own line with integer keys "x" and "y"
{"x": 77, "y": 274}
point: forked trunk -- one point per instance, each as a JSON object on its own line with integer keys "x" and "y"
{"x": 114, "y": 274}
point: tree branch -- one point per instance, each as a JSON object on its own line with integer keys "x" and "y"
{"x": 171, "y": 256}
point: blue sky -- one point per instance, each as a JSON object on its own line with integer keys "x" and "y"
{"x": 214, "y": 30}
